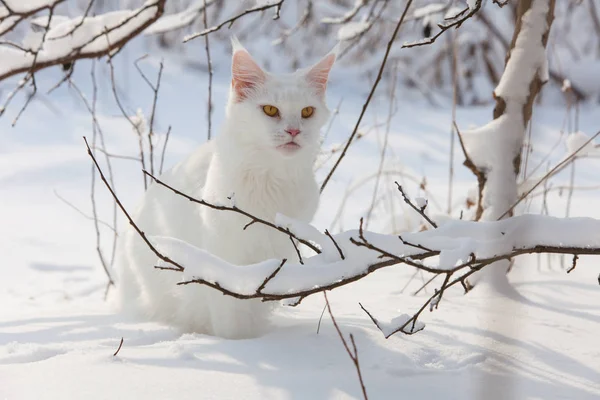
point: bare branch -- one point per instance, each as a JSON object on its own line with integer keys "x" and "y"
{"x": 370, "y": 96}
{"x": 166, "y": 259}
{"x": 210, "y": 73}
{"x": 253, "y": 219}
{"x": 558, "y": 167}
{"x": 348, "y": 16}
{"x": 230, "y": 21}
{"x": 162, "y": 156}
{"x": 453, "y": 22}
{"x": 119, "y": 348}
{"x": 353, "y": 354}
{"x": 335, "y": 244}
{"x": 420, "y": 210}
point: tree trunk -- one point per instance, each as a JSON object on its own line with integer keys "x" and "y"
{"x": 494, "y": 150}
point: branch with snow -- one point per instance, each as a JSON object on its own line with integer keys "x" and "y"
{"x": 61, "y": 44}
{"x": 358, "y": 4}
{"x": 461, "y": 248}
{"x": 349, "y": 256}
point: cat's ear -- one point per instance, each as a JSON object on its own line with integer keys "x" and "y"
{"x": 245, "y": 72}
{"x": 318, "y": 74}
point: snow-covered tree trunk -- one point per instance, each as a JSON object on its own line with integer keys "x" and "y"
{"x": 494, "y": 150}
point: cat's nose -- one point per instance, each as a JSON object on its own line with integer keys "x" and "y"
{"x": 293, "y": 132}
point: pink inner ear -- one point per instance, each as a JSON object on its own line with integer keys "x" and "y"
{"x": 319, "y": 74}
{"x": 246, "y": 74}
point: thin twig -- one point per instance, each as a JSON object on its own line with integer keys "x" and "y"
{"x": 135, "y": 126}
{"x": 550, "y": 173}
{"x": 253, "y": 219}
{"x": 352, "y": 354}
{"x": 391, "y": 112}
{"x": 210, "y": 73}
{"x": 74, "y": 207}
{"x": 230, "y": 21}
{"x": 166, "y": 259}
{"x": 369, "y": 97}
{"x": 425, "y": 285}
{"x": 268, "y": 278}
{"x": 335, "y": 244}
{"x": 420, "y": 210}
{"x": 162, "y": 156}
{"x": 119, "y": 349}
{"x": 453, "y": 22}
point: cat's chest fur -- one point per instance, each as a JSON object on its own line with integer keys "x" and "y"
{"x": 262, "y": 192}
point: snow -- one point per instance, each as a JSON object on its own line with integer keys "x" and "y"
{"x": 582, "y": 144}
{"x": 262, "y": 3}
{"x": 358, "y": 4}
{"x": 201, "y": 264}
{"x": 93, "y": 35}
{"x": 25, "y": 6}
{"x": 429, "y": 9}
{"x": 492, "y": 147}
{"x": 583, "y": 75}
{"x": 421, "y": 202}
{"x": 178, "y": 20}
{"x": 58, "y": 336}
{"x": 472, "y": 4}
{"x": 456, "y": 242}
{"x": 388, "y": 328}
{"x": 526, "y": 58}
{"x": 352, "y": 29}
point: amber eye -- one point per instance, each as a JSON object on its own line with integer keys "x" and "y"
{"x": 307, "y": 112}
{"x": 271, "y": 111}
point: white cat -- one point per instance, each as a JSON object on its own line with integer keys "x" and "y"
{"x": 263, "y": 160}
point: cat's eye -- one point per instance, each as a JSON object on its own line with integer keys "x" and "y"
{"x": 271, "y": 111}
{"x": 307, "y": 112}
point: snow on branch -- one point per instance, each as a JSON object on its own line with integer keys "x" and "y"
{"x": 179, "y": 20}
{"x": 460, "y": 247}
{"x": 348, "y": 15}
{"x": 493, "y": 150}
{"x": 12, "y": 12}
{"x": 65, "y": 40}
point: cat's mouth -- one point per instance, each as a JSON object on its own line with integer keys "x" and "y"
{"x": 289, "y": 147}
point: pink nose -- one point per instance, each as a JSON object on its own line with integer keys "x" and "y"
{"x": 293, "y": 132}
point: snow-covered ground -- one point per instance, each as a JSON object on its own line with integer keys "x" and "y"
{"x": 58, "y": 335}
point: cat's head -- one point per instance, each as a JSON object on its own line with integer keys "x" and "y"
{"x": 279, "y": 113}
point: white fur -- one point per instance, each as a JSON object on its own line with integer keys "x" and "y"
{"x": 246, "y": 162}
